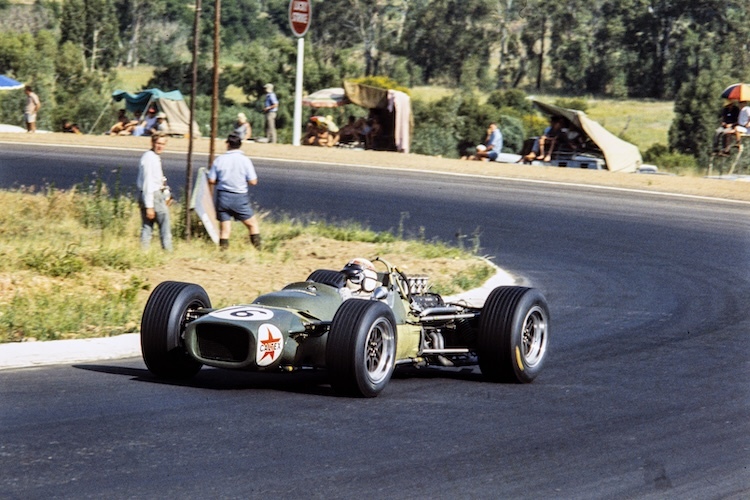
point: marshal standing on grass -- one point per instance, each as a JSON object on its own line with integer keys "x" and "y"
{"x": 230, "y": 176}
{"x": 154, "y": 197}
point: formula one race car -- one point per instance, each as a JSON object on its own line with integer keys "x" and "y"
{"x": 357, "y": 324}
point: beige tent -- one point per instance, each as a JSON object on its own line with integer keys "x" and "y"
{"x": 619, "y": 155}
{"x": 171, "y": 103}
{"x": 393, "y": 109}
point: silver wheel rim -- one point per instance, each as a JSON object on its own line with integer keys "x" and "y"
{"x": 534, "y": 336}
{"x": 380, "y": 351}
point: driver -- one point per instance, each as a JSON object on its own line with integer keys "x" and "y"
{"x": 361, "y": 279}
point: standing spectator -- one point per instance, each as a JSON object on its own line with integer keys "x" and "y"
{"x": 242, "y": 128}
{"x": 270, "y": 109}
{"x": 30, "y": 109}
{"x": 153, "y": 195}
{"x": 230, "y": 175}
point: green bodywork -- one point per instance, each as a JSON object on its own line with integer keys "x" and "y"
{"x": 302, "y": 312}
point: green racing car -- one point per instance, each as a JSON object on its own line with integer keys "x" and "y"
{"x": 357, "y": 324}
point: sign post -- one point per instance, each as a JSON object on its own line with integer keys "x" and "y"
{"x": 300, "y": 14}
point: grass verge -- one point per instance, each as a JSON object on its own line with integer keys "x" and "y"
{"x": 72, "y": 266}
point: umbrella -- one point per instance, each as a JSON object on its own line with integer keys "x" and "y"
{"x": 737, "y": 92}
{"x": 326, "y": 98}
{"x": 7, "y": 83}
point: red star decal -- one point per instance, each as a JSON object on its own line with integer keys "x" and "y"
{"x": 269, "y": 343}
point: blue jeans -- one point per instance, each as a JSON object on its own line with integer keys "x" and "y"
{"x": 162, "y": 219}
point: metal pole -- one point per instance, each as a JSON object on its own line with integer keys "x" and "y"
{"x": 215, "y": 91}
{"x": 296, "y": 134}
{"x": 191, "y": 134}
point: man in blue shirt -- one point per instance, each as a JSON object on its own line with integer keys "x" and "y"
{"x": 492, "y": 147}
{"x": 230, "y": 176}
{"x": 270, "y": 108}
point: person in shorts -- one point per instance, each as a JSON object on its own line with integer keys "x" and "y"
{"x": 229, "y": 177}
{"x": 30, "y": 109}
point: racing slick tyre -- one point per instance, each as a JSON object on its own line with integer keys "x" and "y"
{"x": 513, "y": 334}
{"x": 361, "y": 348}
{"x": 163, "y": 325}
{"x": 327, "y": 277}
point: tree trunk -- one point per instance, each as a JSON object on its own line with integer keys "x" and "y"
{"x": 542, "y": 36}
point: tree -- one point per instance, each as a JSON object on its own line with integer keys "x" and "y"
{"x": 92, "y": 24}
{"x": 377, "y": 26}
{"x": 696, "y": 116}
{"x": 441, "y": 34}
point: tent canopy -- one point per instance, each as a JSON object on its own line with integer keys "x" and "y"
{"x": 333, "y": 97}
{"x": 619, "y": 155}
{"x": 393, "y": 109}
{"x": 171, "y": 103}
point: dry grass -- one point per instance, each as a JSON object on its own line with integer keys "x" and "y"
{"x": 71, "y": 264}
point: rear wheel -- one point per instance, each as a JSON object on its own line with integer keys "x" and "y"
{"x": 513, "y": 334}
{"x": 361, "y": 348}
{"x": 163, "y": 323}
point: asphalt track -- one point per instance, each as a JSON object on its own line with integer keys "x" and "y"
{"x": 646, "y": 393}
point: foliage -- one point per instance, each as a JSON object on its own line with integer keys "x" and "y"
{"x": 673, "y": 162}
{"x": 695, "y": 120}
{"x": 617, "y": 48}
{"x": 381, "y": 82}
{"x": 514, "y": 99}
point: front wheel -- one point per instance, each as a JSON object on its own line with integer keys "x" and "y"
{"x": 165, "y": 316}
{"x": 513, "y": 334}
{"x": 361, "y": 348}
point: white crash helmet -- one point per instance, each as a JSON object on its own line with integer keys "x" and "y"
{"x": 360, "y": 275}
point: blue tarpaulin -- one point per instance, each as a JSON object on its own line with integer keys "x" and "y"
{"x": 7, "y": 83}
{"x": 139, "y": 101}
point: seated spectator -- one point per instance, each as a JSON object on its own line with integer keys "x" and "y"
{"x": 730, "y": 114}
{"x": 492, "y": 146}
{"x": 321, "y": 131}
{"x": 70, "y": 128}
{"x": 124, "y": 125}
{"x": 242, "y": 128}
{"x": 160, "y": 127}
{"x": 570, "y": 139}
{"x": 371, "y": 132}
{"x": 743, "y": 124}
{"x": 545, "y": 145}
{"x": 147, "y": 123}
{"x": 350, "y": 133}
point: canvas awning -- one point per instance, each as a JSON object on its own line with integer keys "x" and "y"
{"x": 395, "y": 102}
{"x": 619, "y": 155}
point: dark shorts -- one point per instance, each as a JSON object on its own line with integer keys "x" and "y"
{"x": 235, "y": 205}
{"x": 492, "y": 155}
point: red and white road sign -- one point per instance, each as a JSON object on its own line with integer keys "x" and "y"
{"x": 300, "y": 15}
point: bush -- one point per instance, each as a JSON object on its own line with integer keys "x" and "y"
{"x": 514, "y": 99}
{"x": 671, "y": 161}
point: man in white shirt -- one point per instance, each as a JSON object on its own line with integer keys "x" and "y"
{"x": 153, "y": 196}
{"x": 230, "y": 176}
{"x": 743, "y": 122}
